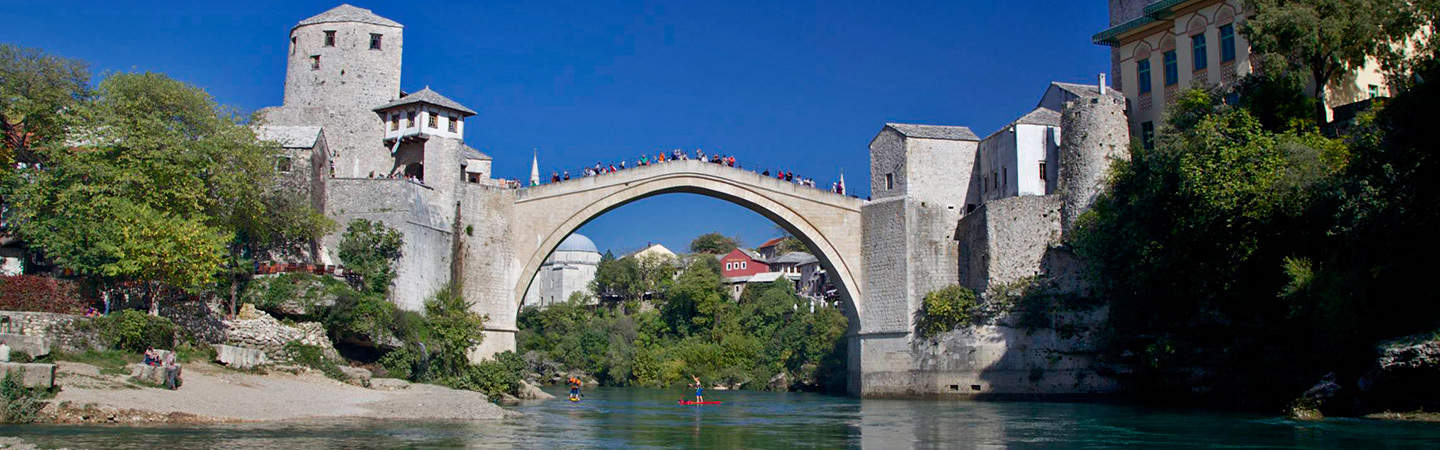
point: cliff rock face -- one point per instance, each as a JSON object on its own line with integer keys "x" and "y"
{"x": 1403, "y": 377}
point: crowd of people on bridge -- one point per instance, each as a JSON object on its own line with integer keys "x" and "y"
{"x": 681, "y": 155}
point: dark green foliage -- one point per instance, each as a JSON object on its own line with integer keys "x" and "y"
{"x": 1248, "y": 255}
{"x": 493, "y": 377}
{"x": 21, "y": 404}
{"x": 306, "y": 290}
{"x": 370, "y": 249}
{"x": 134, "y": 331}
{"x": 945, "y": 309}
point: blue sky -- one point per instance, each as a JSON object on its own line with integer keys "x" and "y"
{"x": 797, "y": 85}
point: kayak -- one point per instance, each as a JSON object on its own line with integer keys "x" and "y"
{"x": 690, "y": 402}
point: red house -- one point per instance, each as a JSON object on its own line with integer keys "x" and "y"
{"x": 742, "y": 263}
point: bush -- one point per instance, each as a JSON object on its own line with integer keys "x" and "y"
{"x": 22, "y": 404}
{"x": 370, "y": 249}
{"x": 305, "y": 290}
{"x": 135, "y": 331}
{"x": 945, "y": 309}
{"x": 494, "y": 377}
{"x": 39, "y": 293}
{"x": 313, "y": 357}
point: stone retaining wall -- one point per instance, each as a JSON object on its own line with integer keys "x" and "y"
{"x": 56, "y": 328}
{"x": 258, "y": 330}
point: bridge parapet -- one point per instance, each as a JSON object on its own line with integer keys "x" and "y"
{"x": 737, "y": 175}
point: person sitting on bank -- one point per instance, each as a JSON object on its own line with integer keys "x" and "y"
{"x": 4, "y": 351}
{"x": 150, "y": 358}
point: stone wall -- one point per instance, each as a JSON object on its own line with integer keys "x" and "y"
{"x": 257, "y": 330}
{"x": 57, "y": 328}
{"x": 1006, "y": 359}
{"x": 1006, "y": 240}
{"x": 417, "y": 212}
{"x": 490, "y": 265}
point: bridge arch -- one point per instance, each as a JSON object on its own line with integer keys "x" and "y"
{"x": 828, "y": 223}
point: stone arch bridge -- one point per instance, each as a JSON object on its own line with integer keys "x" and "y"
{"x": 829, "y": 223}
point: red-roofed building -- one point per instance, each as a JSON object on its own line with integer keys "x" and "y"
{"x": 742, "y": 263}
{"x": 770, "y": 248}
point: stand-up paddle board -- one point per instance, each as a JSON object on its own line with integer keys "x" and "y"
{"x": 689, "y": 402}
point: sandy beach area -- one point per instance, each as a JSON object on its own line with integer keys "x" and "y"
{"x": 212, "y": 393}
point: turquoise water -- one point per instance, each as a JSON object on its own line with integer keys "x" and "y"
{"x": 638, "y": 418}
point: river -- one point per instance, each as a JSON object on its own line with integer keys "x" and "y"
{"x": 639, "y": 418}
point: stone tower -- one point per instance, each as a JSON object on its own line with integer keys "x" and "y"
{"x": 1095, "y": 135}
{"x": 920, "y": 181}
{"x": 343, "y": 63}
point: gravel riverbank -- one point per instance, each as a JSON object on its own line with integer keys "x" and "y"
{"x": 212, "y": 394}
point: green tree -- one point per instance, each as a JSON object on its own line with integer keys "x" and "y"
{"x": 617, "y": 279}
{"x": 370, "y": 249}
{"x": 155, "y": 190}
{"x": 36, "y": 91}
{"x": 1326, "y": 38}
{"x": 945, "y": 309}
{"x": 714, "y": 244}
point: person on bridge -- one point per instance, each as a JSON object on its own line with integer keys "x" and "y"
{"x": 575, "y": 389}
{"x": 699, "y": 389}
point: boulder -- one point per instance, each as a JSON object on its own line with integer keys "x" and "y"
{"x": 779, "y": 382}
{"x": 388, "y": 384}
{"x": 529, "y": 391}
{"x": 358, "y": 376}
{"x": 39, "y": 375}
{"x": 240, "y": 357}
{"x": 35, "y": 346}
{"x": 509, "y": 400}
{"x": 152, "y": 374}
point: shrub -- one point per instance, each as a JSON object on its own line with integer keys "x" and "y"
{"x": 39, "y": 293}
{"x": 134, "y": 331}
{"x": 370, "y": 249}
{"x": 493, "y": 378}
{"x": 945, "y": 309}
{"x": 22, "y": 404}
{"x": 313, "y": 357}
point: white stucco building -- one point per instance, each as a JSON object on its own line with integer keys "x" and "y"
{"x": 568, "y": 270}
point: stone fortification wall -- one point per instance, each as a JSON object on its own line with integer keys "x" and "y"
{"x": 887, "y": 156}
{"x": 886, "y": 253}
{"x": 1095, "y": 135}
{"x": 410, "y": 208}
{"x": 1006, "y": 359}
{"x": 491, "y": 266}
{"x": 1006, "y": 240}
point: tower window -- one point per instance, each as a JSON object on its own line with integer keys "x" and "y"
{"x": 1374, "y": 90}
{"x": 292, "y": 45}
{"x": 329, "y": 38}
{"x": 375, "y": 41}
{"x": 394, "y": 122}
{"x": 410, "y": 119}
{"x": 314, "y": 62}
{"x": 283, "y": 164}
{"x": 1042, "y": 171}
{"x": 889, "y": 181}
{"x": 454, "y": 122}
{"x": 434, "y": 120}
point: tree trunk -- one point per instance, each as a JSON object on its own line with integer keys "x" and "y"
{"x": 153, "y": 292}
{"x": 234, "y": 289}
{"x": 1321, "y": 79}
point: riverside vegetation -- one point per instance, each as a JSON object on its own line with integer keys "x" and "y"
{"x": 662, "y": 320}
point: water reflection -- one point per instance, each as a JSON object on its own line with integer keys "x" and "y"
{"x": 636, "y": 418}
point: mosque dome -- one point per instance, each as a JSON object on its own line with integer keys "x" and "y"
{"x": 577, "y": 242}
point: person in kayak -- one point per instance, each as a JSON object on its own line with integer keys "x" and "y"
{"x": 699, "y": 389}
{"x": 575, "y": 388}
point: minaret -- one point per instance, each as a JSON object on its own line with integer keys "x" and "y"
{"x": 535, "y": 168}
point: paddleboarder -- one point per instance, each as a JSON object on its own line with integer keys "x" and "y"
{"x": 575, "y": 389}
{"x": 699, "y": 389}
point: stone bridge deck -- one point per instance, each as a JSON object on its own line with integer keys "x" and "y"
{"x": 695, "y": 167}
